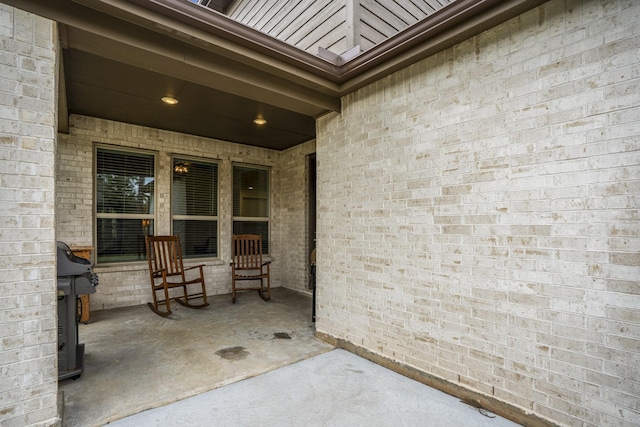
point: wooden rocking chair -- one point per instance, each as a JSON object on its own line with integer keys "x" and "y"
{"x": 247, "y": 265}
{"x": 167, "y": 272}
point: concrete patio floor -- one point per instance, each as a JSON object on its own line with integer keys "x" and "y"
{"x": 252, "y": 363}
{"x": 336, "y": 388}
{"x": 136, "y": 360}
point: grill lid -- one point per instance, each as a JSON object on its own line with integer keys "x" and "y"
{"x": 69, "y": 264}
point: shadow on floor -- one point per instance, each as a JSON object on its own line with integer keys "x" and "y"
{"x": 135, "y": 360}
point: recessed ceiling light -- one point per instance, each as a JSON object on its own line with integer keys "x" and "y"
{"x": 169, "y": 100}
{"x": 259, "y": 121}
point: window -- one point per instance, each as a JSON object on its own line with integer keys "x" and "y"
{"x": 124, "y": 204}
{"x": 195, "y": 207}
{"x": 251, "y": 202}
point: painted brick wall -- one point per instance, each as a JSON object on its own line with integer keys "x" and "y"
{"x": 128, "y": 284}
{"x": 479, "y": 214}
{"x": 28, "y": 311}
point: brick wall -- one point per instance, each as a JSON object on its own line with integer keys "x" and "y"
{"x": 128, "y": 284}
{"x": 28, "y": 319}
{"x": 478, "y": 214}
{"x": 292, "y": 227}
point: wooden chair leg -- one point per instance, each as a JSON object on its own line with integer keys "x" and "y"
{"x": 167, "y": 299}
{"x": 268, "y": 291}
{"x": 186, "y": 296}
{"x": 264, "y": 292}
{"x": 233, "y": 292}
{"x": 154, "y": 306}
{"x": 158, "y": 312}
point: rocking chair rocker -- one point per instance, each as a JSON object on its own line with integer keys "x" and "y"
{"x": 167, "y": 272}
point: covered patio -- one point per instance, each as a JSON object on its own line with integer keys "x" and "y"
{"x": 469, "y": 181}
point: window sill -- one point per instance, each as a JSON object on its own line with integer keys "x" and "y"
{"x": 144, "y": 266}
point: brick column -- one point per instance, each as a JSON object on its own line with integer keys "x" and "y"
{"x": 28, "y": 319}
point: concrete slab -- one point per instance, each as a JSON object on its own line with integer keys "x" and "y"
{"x": 136, "y": 360}
{"x": 336, "y": 388}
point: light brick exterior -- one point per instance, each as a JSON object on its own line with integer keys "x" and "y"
{"x": 478, "y": 214}
{"x": 293, "y": 218}
{"x": 28, "y": 305}
{"x": 128, "y": 284}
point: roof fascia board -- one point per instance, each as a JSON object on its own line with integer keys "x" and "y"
{"x": 178, "y": 19}
{"x": 435, "y": 24}
{"x": 292, "y": 87}
{"x": 221, "y": 35}
{"x": 215, "y": 23}
{"x": 88, "y": 14}
{"x": 187, "y": 63}
{"x": 449, "y": 26}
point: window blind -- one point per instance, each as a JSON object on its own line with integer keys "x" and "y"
{"x": 195, "y": 206}
{"x": 124, "y": 204}
{"x": 251, "y": 202}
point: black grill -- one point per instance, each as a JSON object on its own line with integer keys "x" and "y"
{"x": 74, "y": 278}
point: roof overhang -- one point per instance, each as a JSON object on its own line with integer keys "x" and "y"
{"x": 207, "y": 55}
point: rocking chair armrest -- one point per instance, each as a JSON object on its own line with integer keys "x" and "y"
{"x": 159, "y": 273}
{"x": 194, "y": 267}
{"x": 232, "y": 264}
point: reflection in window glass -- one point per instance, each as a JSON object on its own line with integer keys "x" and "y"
{"x": 251, "y": 202}
{"x": 195, "y": 207}
{"x": 124, "y": 204}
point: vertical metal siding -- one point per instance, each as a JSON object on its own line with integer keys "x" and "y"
{"x": 309, "y": 24}
{"x": 380, "y": 20}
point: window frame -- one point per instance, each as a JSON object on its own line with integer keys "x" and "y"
{"x": 181, "y": 217}
{"x": 266, "y": 219}
{"x": 152, "y": 217}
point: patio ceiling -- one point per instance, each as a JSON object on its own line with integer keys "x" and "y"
{"x": 114, "y": 90}
{"x": 120, "y": 57}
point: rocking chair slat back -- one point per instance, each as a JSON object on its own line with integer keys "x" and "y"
{"x": 247, "y": 265}
{"x": 247, "y": 251}
{"x": 165, "y": 254}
